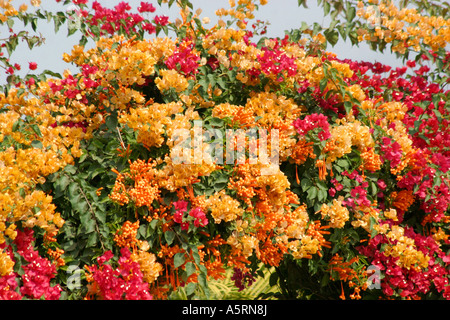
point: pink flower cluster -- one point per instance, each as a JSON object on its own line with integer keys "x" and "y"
{"x": 428, "y": 124}
{"x": 312, "y": 121}
{"x": 358, "y": 193}
{"x": 112, "y": 20}
{"x": 409, "y": 283}
{"x": 37, "y": 273}
{"x": 196, "y": 216}
{"x": 71, "y": 85}
{"x": 183, "y": 60}
{"x": 391, "y": 150}
{"x": 275, "y": 61}
{"x": 109, "y": 18}
{"x": 124, "y": 282}
{"x": 421, "y": 179}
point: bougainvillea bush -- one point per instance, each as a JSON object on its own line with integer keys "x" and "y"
{"x": 96, "y": 202}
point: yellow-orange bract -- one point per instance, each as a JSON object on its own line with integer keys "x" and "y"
{"x": 406, "y": 25}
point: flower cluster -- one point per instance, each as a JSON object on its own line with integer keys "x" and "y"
{"x": 311, "y": 122}
{"x": 336, "y": 213}
{"x": 401, "y": 27}
{"x": 275, "y": 62}
{"x": 34, "y": 281}
{"x": 106, "y": 19}
{"x": 242, "y": 279}
{"x": 361, "y": 178}
{"x": 123, "y": 282}
{"x": 196, "y": 214}
{"x": 183, "y": 60}
{"x": 406, "y": 272}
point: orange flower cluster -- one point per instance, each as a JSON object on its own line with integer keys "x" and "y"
{"x": 406, "y": 26}
{"x": 405, "y": 249}
{"x": 274, "y": 228}
{"x": 54, "y": 254}
{"x": 249, "y": 183}
{"x": 302, "y": 151}
{"x": 336, "y": 214}
{"x": 344, "y": 270}
{"x": 223, "y": 207}
{"x": 8, "y": 10}
{"x": 242, "y": 12}
{"x": 371, "y": 160}
{"x": 348, "y": 273}
{"x": 6, "y": 264}
{"x": 403, "y": 199}
{"x": 33, "y": 149}
{"x": 212, "y": 258}
{"x": 156, "y": 121}
{"x": 144, "y": 190}
{"x": 126, "y": 235}
{"x": 150, "y": 268}
{"x": 118, "y": 193}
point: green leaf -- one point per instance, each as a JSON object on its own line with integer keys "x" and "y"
{"x": 178, "y": 259}
{"x": 351, "y": 13}
{"x": 221, "y": 83}
{"x": 190, "y": 288}
{"x": 36, "y": 129}
{"x": 372, "y": 223}
{"x": 37, "y": 144}
{"x": 169, "y": 236}
{"x": 322, "y": 195}
{"x": 61, "y": 185}
{"x": 114, "y": 45}
{"x": 306, "y": 184}
{"x": 195, "y": 254}
{"x": 323, "y": 84}
{"x": 326, "y": 8}
{"x": 312, "y": 193}
{"x": 34, "y": 23}
{"x": 73, "y": 190}
{"x": 89, "y": 223}
{"x": 212, "y": 79}
{"x": 92, "y": 239}
{"x": 52, "y": 73}
{"x": 202, "y": 280}
{"x": 348, "y": 107}
{"x": 332, "y": 36}
{"x": 322, "y": 185}
{"x": 10, "y": 23}
{"x": 190, "y": 268}
{"x": 16, "y": 125}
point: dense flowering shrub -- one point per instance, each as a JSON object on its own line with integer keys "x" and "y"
{"x": 356, "y": 206}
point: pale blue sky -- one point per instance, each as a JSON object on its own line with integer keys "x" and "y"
{"x": 282, "y": 15}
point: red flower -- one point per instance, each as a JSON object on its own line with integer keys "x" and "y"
{"x": 162, "y": 20}
{"x": 150, "y": 28}
{"x": 105, "y": 257}
{"x": 146, "y": 7}
{"x": 310, "y": 122}
{"x": 32, "y": 65}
